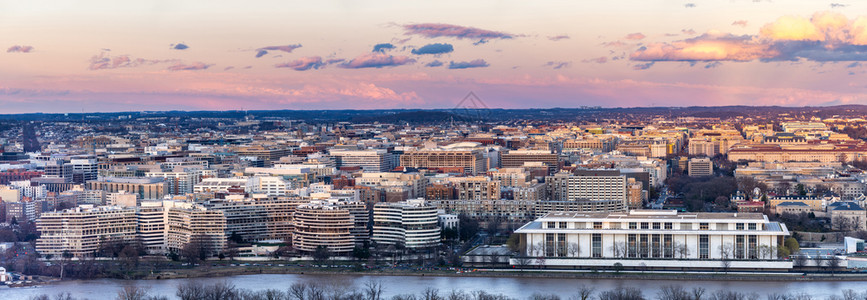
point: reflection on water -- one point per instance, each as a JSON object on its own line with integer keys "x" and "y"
{"x": 515, "y": 287}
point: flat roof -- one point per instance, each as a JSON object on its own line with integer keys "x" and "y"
{"x": 655, "y": 214}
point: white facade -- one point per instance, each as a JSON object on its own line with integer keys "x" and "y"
{"x": 377, "y": 160}
{"x": 661, "y": 239}
{"x": 413, "y": 223}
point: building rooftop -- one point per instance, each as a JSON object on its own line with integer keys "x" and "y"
{"x": 655, "y": 214}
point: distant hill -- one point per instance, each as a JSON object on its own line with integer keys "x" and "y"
{"x": 414, "y": 117}
{"x": 447, "y": 115}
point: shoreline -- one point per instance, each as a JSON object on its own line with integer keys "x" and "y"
{"x": 553, "y": 274}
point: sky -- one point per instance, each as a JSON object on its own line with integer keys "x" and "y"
{"x": 105, "y": 56}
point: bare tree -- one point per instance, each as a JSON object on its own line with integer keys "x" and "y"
{"x": 673, "y": 292}
{"x": 725, "y": 253}
{"x": 697, "y": 293}
{"x": 619, "y": 249}
{"x": 833, "y": 263}
{"x": 799, "y": 260}
{"x": 584, "y": 293}
{"x": 131, "y": 292}
{"x": 298, "y": 290}
{"x": 681, "y": 250}
{"x": 431, "y": 294}
{"x": 373, "y": 290}
{"x": 574, "y": 249}
{"x": 190, "y": 290}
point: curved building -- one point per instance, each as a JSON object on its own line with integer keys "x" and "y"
{"x": 412, "y": 223}
{"x": 323, "y": 224}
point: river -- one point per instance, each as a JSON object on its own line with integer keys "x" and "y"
{"x": 519, "y": 288}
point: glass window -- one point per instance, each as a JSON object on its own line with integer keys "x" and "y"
{"x": 633, "y": 225}
{"x": 703, "y": 226}
{"x": 739, "y": 247}
{"x": 549, "y": 244}
{"x": 739, "y": 226}
{"x": 631, "y": 245}
{"x": 752, "y": 248}
{"x": 561, "y": 244}
{"x": 657, "y": 226}
{"x": 645, "y": 225}
{"x": 752, "y": 226}
{"x": 597, "y": 225}
{"x": 551, "y": 225}
{"x": 563, "y": 225}
{"x": 669, "y": 246}
{"x": 643, "y": 247}
{"x": 703, "y": 251}
{"x": 596, "y": 245}
{"x": 655, "y": 250}
{"x": 669, "y": 226}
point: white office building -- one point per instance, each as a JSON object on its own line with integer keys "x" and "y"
{"x": 653, "y": 239}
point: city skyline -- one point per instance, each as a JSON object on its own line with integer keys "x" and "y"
{"x": 101, "y": 56}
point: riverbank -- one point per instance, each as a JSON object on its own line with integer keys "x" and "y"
{"x": 207, "y": 272}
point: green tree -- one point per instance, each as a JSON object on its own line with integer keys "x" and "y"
{"x": 321, "y": 254}
{"x": 793, "y": 245}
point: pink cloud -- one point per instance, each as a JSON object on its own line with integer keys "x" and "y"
{"x": 558, "y": 37}
{"x": 376, "y": 60}
{"x": 303, "y": 64}
{"x": 598, "y": 60}
{"x": 741, "y": 23}
{"x": 105, "y": 61}
{"x": 434, "y": 30}
{"x": 189, "y": 67}
{"x": 826, "y": 36}
{"x": 635, "y": 36}
{"x": 19, "y": 49}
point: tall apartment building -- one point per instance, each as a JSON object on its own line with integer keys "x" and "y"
{"x": 653, "y": 239}
{"x": 472, "y": 161}
{"x": 374, "y": 160}
{"x": 568, "y": 187}
{"x": 258, "y": 219}
{"x": 413, "y": 223}
{"x": 168, "y": 226}
{"x": 700, "y": 167}
{"x": 517, "y": 158}
{"x": 320, "y": 223}
{"x": 476, "y": 188}
{"x": 80, "y": 230}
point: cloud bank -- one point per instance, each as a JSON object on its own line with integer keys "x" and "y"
{"x": 825, "y": 37}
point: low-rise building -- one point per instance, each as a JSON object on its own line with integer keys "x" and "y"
{"x": 652, "y": 239}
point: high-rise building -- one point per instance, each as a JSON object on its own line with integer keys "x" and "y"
{"x": 80, "y": 230}
{"x": 413, "y": 223}
{"x": 323, "y": 224}
{"x": 568, "y": 187}
{"x": 374, "y": 160}
{"x": 700, "y": 167}
{"x": 468, "y": 158}
{"x": 517, "y": 159}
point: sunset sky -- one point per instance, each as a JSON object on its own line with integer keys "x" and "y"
{"x": 100, "y": 56}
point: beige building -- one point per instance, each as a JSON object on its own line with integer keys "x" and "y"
{"x": 145, "y": 188}
{"x": 476, "y": 188}
{"x": 80, "y": 230}
{"x": 472, "y": 160}
{"x": 847, "y": 216}
{"x": 700, "y": 167}
{"x": 320, "y": 223}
